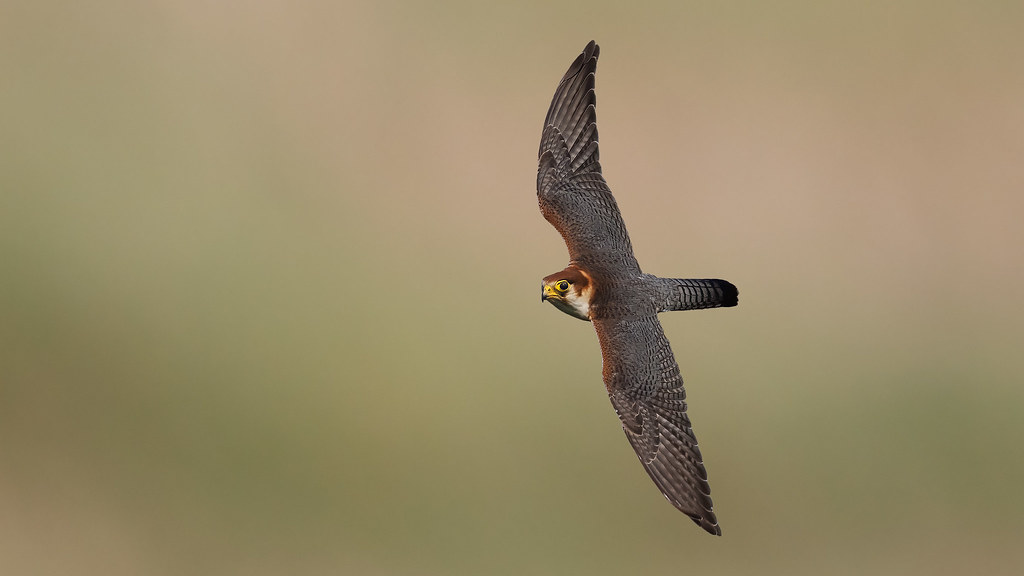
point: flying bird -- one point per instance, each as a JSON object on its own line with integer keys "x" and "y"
{"x": 603, "y": 284}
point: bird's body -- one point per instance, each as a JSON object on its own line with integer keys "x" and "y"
{"x": 605, "y": 285}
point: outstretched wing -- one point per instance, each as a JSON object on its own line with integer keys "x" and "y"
{"x": 572, "y": 193}
{"x": 647, "y": 392}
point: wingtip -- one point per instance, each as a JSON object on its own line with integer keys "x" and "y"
{"x": 708, "y": 523}
{"x": 713, "y": 529}
{"x": 590, "y": 53}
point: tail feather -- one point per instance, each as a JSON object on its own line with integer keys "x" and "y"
{"x": 686, "y": 294}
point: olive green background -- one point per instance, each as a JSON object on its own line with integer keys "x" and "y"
{"x": 269, "y": 278}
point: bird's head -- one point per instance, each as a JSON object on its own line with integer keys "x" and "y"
{"x": 570, "y": 291}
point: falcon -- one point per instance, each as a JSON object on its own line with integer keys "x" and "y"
{"x": 603, "y": 284}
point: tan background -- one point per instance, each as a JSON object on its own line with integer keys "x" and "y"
{"x": 268, "y": 297}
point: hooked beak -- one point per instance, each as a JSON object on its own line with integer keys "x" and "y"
{"x": 546, "y": 292}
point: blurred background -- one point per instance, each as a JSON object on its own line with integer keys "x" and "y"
{"x": 269, "y": 277}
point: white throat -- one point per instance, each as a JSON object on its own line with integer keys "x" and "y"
{"x": 577, "y": 305}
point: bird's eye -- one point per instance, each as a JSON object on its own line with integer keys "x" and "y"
{"x": 562, "y": 285}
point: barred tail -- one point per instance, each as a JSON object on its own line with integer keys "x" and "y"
{"x": 680, "y": 294}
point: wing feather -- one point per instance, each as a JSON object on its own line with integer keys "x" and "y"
{"x": 571, "y": 191}
{"x": 646, "y": 390}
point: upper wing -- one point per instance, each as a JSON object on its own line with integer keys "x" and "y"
{"x": 647, "y": 392}
{"x": 572, "y": 192}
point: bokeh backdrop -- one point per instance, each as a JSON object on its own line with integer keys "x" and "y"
{"x": 269, "y": 275}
